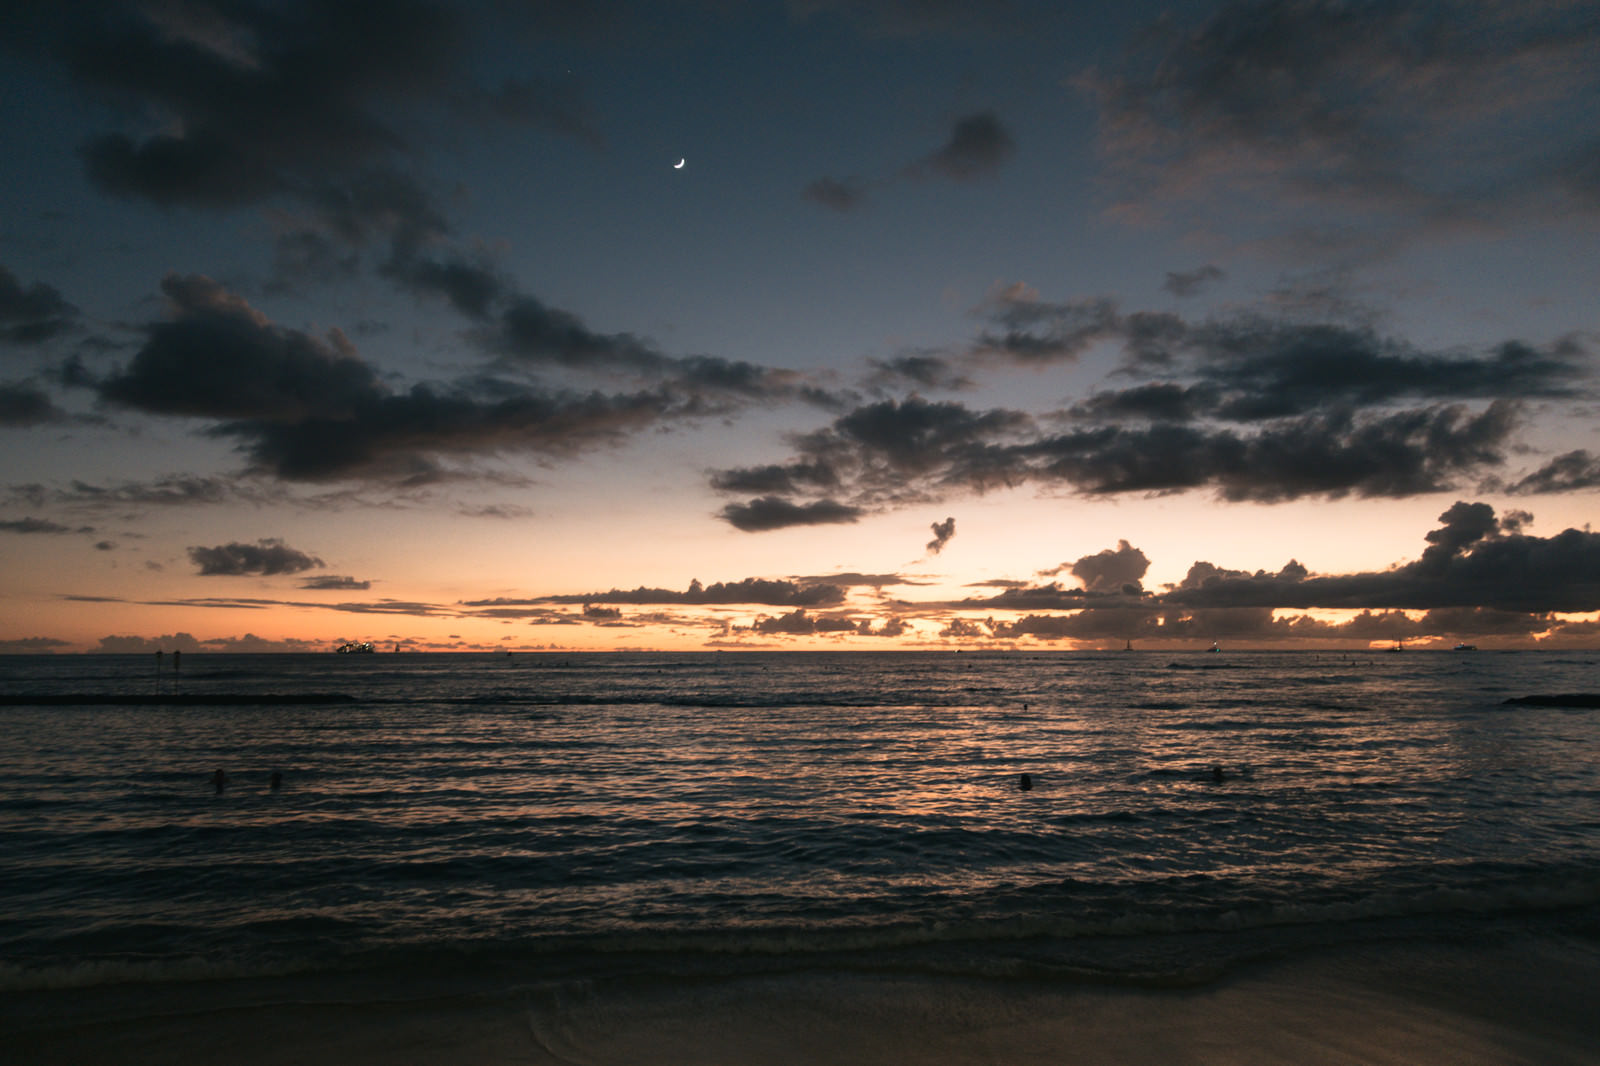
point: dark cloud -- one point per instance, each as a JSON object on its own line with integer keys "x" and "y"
{"x": 1331, "y": 455}
{"x": 22, "y": 404}
{"x": 1030, "y": 330}
{"x": 333, "y": 581}
{"x": 32, "y": 314}
{"x": 844, "y": 194}
{"x": 919, "y": 372}
{"x": 1156, "y": 402}
{"x": 1263, "y": 369}
{"x": 891, "y": 453}
{"x": 978, "y": 146}
{"x": 852, "y": 580}
{"x": 168, "y": 491}
{"x": 795, "y": 624}
{"x": 265, "y": 558}
{"x": 767, "y": 513}
{"x": 1191, "y": 282}
{"x": 1571, "y": 472}
{"x": 820, "y": 592}
{"x": 1471, "y": 561}
{"x": 253, "y": 101}
{"x": 942, "y": 532}
{"x": 1247, "y": 406}
{"x": 218, "y": 358}
{"x": 963, "y": 629}
{"x": 1120, "y": 568}
{"x": 877, "y": 451}
{"x": 312, "y": 410}
{"x": 32, "y": 645}
{"x": 247, "y": 644}
{"x": 39, "y": 525}
{"x": 800, "y": 624}
{"x": 1413, "y": 114}
{"x": 1252, "y": 366}
{"x": 471, "y": 288}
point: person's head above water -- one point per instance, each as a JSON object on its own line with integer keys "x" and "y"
{"x": 1025, "y": 783}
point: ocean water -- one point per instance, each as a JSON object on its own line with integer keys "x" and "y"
{"x": 539, "y": 822}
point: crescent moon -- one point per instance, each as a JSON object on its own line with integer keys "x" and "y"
{"x": 678, "y": 165}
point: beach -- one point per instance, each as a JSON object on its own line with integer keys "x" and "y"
{"x": 1396, "y": 1004}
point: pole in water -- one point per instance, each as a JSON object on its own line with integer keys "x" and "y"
{"x": 177, "y": 660}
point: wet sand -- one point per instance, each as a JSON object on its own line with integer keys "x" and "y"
{"x": 1406, "y": 1003}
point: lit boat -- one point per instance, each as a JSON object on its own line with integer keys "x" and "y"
{"x": 1466, "y": 647}
{"x": 356, "y": 648}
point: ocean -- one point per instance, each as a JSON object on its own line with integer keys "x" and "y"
{"x": 632, "y": 857}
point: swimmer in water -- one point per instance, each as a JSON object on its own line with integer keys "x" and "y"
{"x": 220, "y": 780}
{"x": 1025, "y": 783}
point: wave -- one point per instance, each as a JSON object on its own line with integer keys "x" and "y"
{"x": 1146, "y": 946}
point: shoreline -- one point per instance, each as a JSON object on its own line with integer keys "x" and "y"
{"x": 1502, "y": 1002}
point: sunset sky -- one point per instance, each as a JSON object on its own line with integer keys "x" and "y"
{"x": 961, "y": 325}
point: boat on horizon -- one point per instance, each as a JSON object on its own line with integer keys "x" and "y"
{"x": 356, "y": 647}
{"x": 1466, "y": 647}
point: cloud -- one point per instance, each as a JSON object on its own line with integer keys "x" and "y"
{"x": 1572, "y": 471}
{"x": 247, "y": 644}
{"x": 1247, "y": 406}
{"x": 977, "y": 147}
{"x": 32, "y": 314}
{"x": 1191, "y": 282}
{"x": 309, "y": 409}
{"x": 892, "y": 453}
{"x": 251, "y": 102}
{"x": 767, "y": 513}
{"x": 1112, "y": 569}
{"x": 39, "y": 525}
{"x": 1404, "y": 116}
{"x": 811, "y": 592}
{"x": 979, "y": 144}
{"x": 920, "y": 371}
{"x": 1329, "y": 455}
{"x": 333, "y": 581}
{"x": 22, "y": 404}
{"x": 942, "y": 532}
{"x": 170, "y": 490}
{"x": 1471, "y": 561}
{"x": 839, "y": 194}
{"x": 219, "y": 358}
{"x": 266, "y": 558}
{"x": 32, "y": 645}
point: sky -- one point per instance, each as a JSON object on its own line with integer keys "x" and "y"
{"x": 887, "y": 324}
